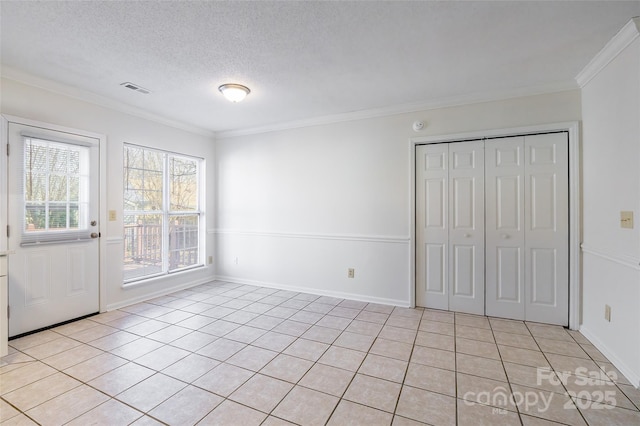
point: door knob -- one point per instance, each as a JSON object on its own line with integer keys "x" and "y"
{"x": 504, "y": 236}
{"x": 94, "y": 235}
{"x": 94, "y": 223}
{"x": 467, "y": 235}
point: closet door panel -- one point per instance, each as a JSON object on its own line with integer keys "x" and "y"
{"x": 504, "y": 166}
{"x": 432, "y": 222}
{"x": 464, "y": 277}
{"x": 508, "y": 203}
{"x": 508, "y": 274}
{"x": 544, "y": 282}
{"x": 435, "y": 261}
{"x": 466, "y": 229}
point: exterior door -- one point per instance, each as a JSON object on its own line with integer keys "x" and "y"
{"x": 53, "y": 186}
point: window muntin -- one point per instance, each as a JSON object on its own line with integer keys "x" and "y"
{"x": 162, "y": 216}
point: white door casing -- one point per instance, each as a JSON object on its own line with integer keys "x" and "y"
{"x": 53, "y": 280}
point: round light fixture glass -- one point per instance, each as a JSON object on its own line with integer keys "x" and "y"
{"x": 234, "y": 92}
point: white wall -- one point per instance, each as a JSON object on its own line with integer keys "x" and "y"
{"x": 296, "y": 208}
{"x": 26, "y": 101}
{"x": 611, "y": 259}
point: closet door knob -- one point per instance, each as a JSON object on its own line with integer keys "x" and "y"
{"x": 467, "y": 235}
{"x": 505, "y": 236}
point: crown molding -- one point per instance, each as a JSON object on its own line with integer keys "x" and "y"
{"x": 610, "y": 51}
{"x": 474, "y": 98}
{"x": 467, "y": 99}
{"x": 86, "y": 96}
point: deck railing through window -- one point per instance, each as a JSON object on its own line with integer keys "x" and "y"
{"x": 143, "y": 248}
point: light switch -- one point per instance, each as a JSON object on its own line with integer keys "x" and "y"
{"x": 626, "y": 219}
{"x": 112, "y": 215}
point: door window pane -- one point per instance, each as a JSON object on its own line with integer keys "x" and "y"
{"x": 35, "y": 187}
{"x": 58, "y": 159}
{"x": 74, "y": 188}
{"x": 57, "y": 216}
{"x": 35, "y": 217}
{"x": 55, "y": 187}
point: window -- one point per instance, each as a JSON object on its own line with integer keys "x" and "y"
{"x": 56, "y": 191}
{"x": 162, "y": 217}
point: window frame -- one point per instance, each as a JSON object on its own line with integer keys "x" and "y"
{"x": 49, "y": 234}
{"x": 166, "y": 213}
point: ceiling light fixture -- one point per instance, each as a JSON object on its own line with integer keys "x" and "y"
{"x": 234, "y": 92}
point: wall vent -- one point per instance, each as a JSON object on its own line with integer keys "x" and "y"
{"x": 135, "y": 87}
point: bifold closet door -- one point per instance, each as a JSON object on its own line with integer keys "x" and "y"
{"x": 466, "y": 227}
{"x": 504, "y": 174}
{"x": 527, "y": 228}
{"x": 432, "y": 226}
{"x": 450, "y": 226}
{"x": 547, "y": 228}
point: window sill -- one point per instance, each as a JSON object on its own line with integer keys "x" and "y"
{"x": 157, "y": 278}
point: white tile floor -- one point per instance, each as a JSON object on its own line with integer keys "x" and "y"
{"x": 228, "y": 354}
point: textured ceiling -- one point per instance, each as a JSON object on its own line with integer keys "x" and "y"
{"x": 303, "y": 60}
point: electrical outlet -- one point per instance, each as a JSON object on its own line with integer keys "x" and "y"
{"x": 112, "y": 215}
{"x": 210, "y": 259}
{"x": 351, "y": 273}
{"x": 235, "y": 261}
{"x": 607, "y": 313}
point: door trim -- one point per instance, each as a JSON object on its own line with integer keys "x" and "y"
{"x": 102, "y": 197}
{"x": 575, "y": 211}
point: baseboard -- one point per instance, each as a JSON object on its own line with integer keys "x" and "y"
{"x": 160, "y": 293}
{"x": 317, "y": 291}
{"x": 633, "y": 377}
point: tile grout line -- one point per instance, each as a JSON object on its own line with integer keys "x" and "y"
{"x": 239, "y": 298}
{"x": 505, "y": 371}
{"x": 455, "y": 362}
{"x": 566, "y": 392}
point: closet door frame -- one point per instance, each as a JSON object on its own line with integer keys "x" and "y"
{"x": 575, "y": 226}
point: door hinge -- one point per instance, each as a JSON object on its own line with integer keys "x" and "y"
{"x": 8, "y": 311}
{"x": 7, "y": 150}
{"x": 7, "y": 231}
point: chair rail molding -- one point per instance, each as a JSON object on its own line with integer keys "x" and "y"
{"x": 628, "y": 261}
{"x": 393, "y": 239}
